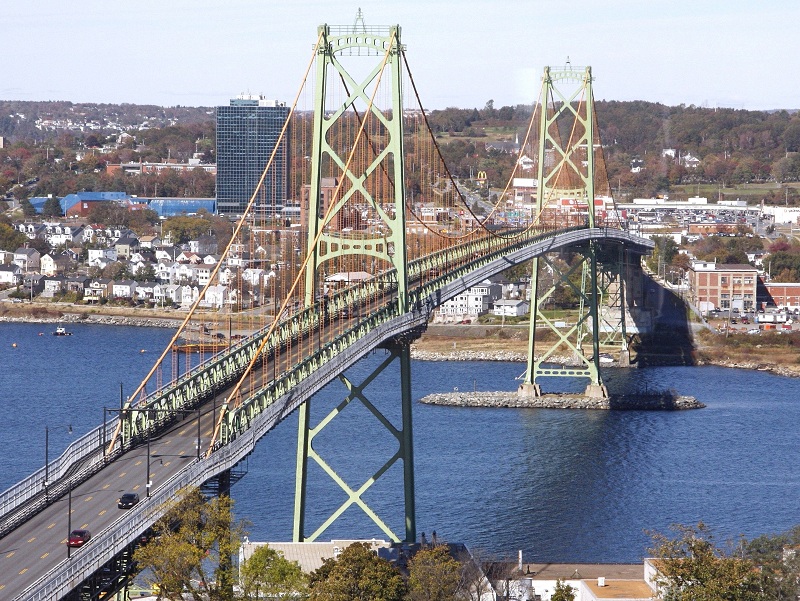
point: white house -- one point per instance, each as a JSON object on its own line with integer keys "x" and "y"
{"x": 215, "y": 297}
{"x": 511, "y": 308}
{"x": 10, "y": 274}
{"x": 124, "y": 289}
{"x": 106, "y": 254}
{"x": 471, "y": 303}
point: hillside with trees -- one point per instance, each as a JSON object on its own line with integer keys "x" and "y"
{"x": 65, "y": 147}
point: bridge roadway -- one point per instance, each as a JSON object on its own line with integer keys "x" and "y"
{"x": 33, "y": 556}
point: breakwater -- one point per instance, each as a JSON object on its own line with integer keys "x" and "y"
{"x": 666, "y": 401}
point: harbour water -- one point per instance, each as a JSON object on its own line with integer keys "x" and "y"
{"x": 562, "y": 486}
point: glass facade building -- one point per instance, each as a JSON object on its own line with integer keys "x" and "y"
{"x": 247, "y": 132}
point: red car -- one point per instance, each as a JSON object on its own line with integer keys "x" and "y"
{"x": 77, "y": 538}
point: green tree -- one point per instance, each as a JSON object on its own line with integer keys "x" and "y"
{"x": 51, "y": 208}
{"x": 268, "y": 573}
{"x": 563, "y": 592}
{"x": 192, "y": 549}
{"x": 693, "y": 568}
{"x": 27, "y": 208}
{"x": 146, "y": 274}
{"x": 433, "y": 575}
{"x": 10, "y": 239}
{"x": 357, "y": 575}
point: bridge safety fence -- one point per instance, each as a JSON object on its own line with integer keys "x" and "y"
{"x": 262, "y": 411}
{"x": 80, "y": 460}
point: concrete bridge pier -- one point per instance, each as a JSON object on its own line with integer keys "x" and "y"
{"x": 596, "y": 391}
{"x": 527, "y": 390}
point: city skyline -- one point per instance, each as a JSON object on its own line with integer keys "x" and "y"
{"x": 716, "y": 53}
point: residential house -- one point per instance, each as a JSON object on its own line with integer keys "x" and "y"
{"x": 101, "y": 255}
{"x": 188, "y": 256}
{"x": 206, "y": 244}
{"x": 166, "y": 294}
{"x": 150, "y": 241}
{"x": 76, "y": 283}
{"x": 203, "y": 274}
{"x": 145, "y": 291}
{"x": 185, "y": 273}
{"x": 53, "y": 285}
{"x": 189, "y": 294}
{"x": 10, "y": 275}
{"x": 471, "y": 303}
{"x": 54, "y": 264}
{"x": 511, "y": 308}
{"x": 28, "y": 259}
{"x": 169, "y": 253}
{"x": 33, "y": 283}
{"x": 124, "y": 289}
{"x": 218, "y": 296}
{"x": 126, "y": 246}
{"x": 166, "y": 272}
{"x": 6, "y": 257}
{"x": 97, "y": 289}
{"x": 32, "y": 230}
{"x": 59, "y": 234}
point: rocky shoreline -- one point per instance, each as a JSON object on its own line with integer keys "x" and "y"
{"x": 647, "y": 402}
{"x": 110, "y": 320}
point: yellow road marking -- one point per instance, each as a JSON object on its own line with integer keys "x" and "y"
{"x": 23, "y": 571}
{"x": 138, "y": 462}
{"x": 10, "y": 554}
{"x": 51, "y": 525}
{"x": 102, "y": 512}
{"x": 87, "y": 499}
{"x": 45, "y": 555}
{"x": 106, "y": 486}
{"x": 122, "y": 475}
{"x": 33, "y": 538}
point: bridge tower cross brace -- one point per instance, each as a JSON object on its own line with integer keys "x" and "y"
{"x": 389, "y": 249}
{"x": 566, "y": 171}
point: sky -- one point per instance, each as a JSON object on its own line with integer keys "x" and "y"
{"x": 461, "y": 53}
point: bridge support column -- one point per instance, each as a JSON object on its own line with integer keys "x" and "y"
{"x": 399, "y": 352}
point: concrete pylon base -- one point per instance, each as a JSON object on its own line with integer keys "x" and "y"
{"x": 596, "y": 391}
{"x": 625, "y": 359}
{"x": 527, "y": 391}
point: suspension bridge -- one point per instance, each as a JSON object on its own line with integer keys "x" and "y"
{"x": 386, "y": 236}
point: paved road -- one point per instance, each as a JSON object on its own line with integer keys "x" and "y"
{"x": 40, "y": 544}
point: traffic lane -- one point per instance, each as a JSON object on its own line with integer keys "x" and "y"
{"x": 40, "y": 544}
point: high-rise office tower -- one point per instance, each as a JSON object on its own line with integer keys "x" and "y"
{"x": 247, "y": 132}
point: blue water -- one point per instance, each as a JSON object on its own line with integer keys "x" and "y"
{"x": 575, "y": 486}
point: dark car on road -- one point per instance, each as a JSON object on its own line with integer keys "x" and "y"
{"x": 128, "y": 500}
{"x": 78, "y": 538}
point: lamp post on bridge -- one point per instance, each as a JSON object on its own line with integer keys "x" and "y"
{"x": 47, "y": 450}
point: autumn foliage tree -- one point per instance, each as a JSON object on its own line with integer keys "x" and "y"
{"x": 433, "y": 575}
{"x": 693, "y": 568}
{"x": 191, "y": 549}
{"x": 358, "y": 574}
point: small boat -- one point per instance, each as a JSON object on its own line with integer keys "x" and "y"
{"x": 61, "y": 331}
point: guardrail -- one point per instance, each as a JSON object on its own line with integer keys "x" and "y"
{"x": 80, "y": 460}
{"x": 247, "y": 424}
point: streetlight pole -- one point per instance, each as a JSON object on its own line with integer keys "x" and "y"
{"x": 69, "y": 517}
{"x": 47, "y": 451}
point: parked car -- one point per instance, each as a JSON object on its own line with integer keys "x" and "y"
{"x": 128, "y": 500}
{"x": 78, "y": 538}
{"x": 754, "y": 331}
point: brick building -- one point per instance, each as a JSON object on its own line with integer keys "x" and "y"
{"x": 728, "y": 286}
